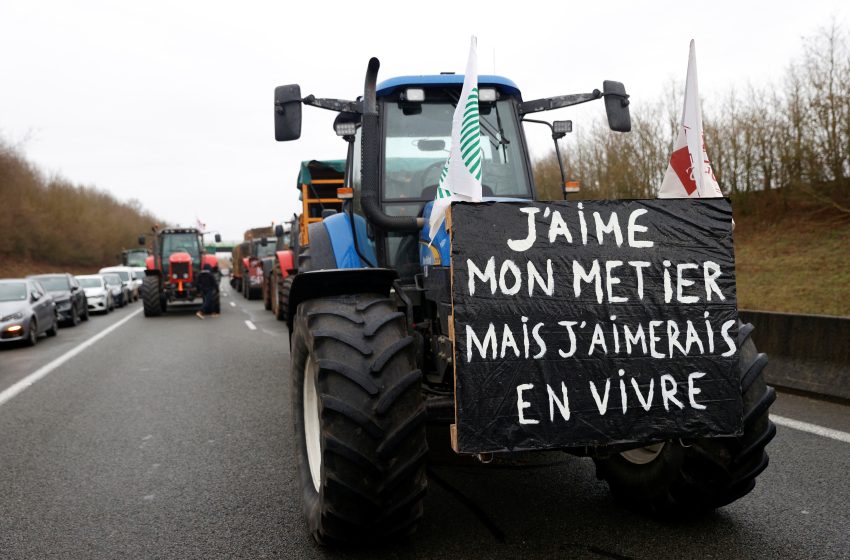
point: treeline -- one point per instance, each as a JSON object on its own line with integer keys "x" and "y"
{"x": 794, "y": 136}
{"x": 57, "y": 223}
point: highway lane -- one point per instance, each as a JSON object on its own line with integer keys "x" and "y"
{"x": 17, "y": 361}
{"x": 171, "y": 438}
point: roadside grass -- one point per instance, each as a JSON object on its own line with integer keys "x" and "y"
{"x": 792, "y": 257}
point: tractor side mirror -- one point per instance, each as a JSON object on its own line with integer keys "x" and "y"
{"x": 287, "y": 112}
{"x": 617, "y": 106}
{"x": 218, "y": 238}
{"x": 278, "y": 230}
{"x": 141, "y": 240}
{"x": 264, "y": 242}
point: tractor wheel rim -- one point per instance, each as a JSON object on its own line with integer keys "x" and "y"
{"x": 312, "y": 428}
{"x": 643, "y": 455}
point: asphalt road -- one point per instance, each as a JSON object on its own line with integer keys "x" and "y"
{"x": 171, "y": 438}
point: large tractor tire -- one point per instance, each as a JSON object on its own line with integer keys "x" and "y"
{"x": 151, "y": 298}
{"x": 267, "y": 291}
{"x": 359, "y": 420}
{"x": 274, "y": 294}
{"x": 283, "y": 298}
{"x": 675, "y": 478}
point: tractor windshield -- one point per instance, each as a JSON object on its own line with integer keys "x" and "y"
{"x": 418, "y": 140}
{"x": 266, "y": 251}
{"x": 181, "y": 243}
{"x": 135, "y": 257}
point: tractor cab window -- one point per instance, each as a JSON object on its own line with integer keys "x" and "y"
{"x": 181, "y": 243}
{"x": 267, "y": 251}
{"x": 418, "y": 141}
{"x": 416, "y": 146}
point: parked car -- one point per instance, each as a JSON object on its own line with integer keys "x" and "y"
{"x": 26, "y": 311}
{"x": 116, "y": 288}
{"x": 69, "y": 297}
{"x": 98, "y": 294}
{"x": 131, "y": 289}
{"x": 138, "y": 278}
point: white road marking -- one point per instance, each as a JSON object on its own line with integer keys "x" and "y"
{"x": 13, "y": 391}
{"x": 232, "y": 304}
{"x": 251, "y": 325}
{"x": 811, "y": 428}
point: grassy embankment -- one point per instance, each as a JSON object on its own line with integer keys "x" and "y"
{"x": 52, "y": 225}
{"x": 792, "y": 255}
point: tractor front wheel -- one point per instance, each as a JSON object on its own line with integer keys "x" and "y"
{"x": 359, "y": 420}
{"x": 151, "y": 298}
{"x": 675, "y": 478}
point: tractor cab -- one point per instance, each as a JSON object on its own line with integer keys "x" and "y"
{"x": 417, "y": 113}
{"x": 188, "y": 242}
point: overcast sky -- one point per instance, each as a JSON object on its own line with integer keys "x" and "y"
{"x": 171, "y": 102}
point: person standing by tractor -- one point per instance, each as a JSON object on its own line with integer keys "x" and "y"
{"x": 209, "y": 288}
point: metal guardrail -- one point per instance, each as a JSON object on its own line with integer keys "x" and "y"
{"x": 808, "y": 353}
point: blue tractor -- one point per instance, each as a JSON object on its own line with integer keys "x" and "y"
{"x": 370, "y": 307}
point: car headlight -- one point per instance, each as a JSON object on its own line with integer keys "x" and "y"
{"x": 12, "y": 317}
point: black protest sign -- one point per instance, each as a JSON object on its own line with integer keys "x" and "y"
{"x": 593, "y": 323}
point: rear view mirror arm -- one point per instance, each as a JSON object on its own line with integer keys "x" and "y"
{"x": 338, "y": 105}
{"x": 550, "y": 103}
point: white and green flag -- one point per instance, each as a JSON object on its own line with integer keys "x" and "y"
{"x": 461, "y": 176}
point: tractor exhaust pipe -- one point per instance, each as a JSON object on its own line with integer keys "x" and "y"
{"x": 370, "y": 152}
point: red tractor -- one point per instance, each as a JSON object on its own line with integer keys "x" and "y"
{"x": 171, "y": 271}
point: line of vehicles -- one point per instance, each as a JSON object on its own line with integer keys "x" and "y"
{"x": 265, "y": 262}
{"x": 40, "y": 303}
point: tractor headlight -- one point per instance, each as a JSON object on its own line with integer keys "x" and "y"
{"x": 12, "y": 317}
{"x": 345, "y": 128}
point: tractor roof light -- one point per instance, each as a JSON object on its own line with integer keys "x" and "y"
{"x": 414, "y": 95}
{"x": 345, "y": 128}
{"x": 487, "y": 95}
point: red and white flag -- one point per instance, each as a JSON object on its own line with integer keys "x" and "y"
{"x": 689, "y": 173}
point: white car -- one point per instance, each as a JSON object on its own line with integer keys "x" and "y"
{"x": 138, "y": 278}
{"x": 131, "y": 289}
{"x": 116, "y": 288}
{"x": 97, "y": 292}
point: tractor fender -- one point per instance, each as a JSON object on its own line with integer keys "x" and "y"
{"x": 246, "y": 263}
{"x": 150, "y": 265}
{"x": 286, "y": 260}
{"x": 330, "y": 266}
{"x": 211, "y": 260}
{"x": 338, "y": 228}
{"x": 346, "y": 281}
